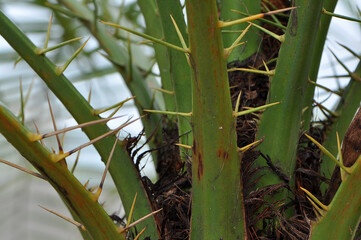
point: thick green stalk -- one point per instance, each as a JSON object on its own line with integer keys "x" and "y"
{"x": 217, "y": 204}
{"x": 252, "y": 38}
{"x": 281, "y": 125}
{"x": 316, "y": 60}
{"x": 77, "y": 198}
{"x": 122, "y": 170}
{"x": 343, "y": 216}
{"x": 132, "y": 76}
{"x": 179, "y": 68}
{"x": 154, "y": 28}
{"x": 346, "y": 109}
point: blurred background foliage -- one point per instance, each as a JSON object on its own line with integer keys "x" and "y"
{"x": 20, "y": 194}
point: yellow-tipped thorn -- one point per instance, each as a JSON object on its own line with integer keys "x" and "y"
{"x": 96, "y": 195}
{"x": 22, "y": 169}
{"x": 169, "y": 113}
{"x": 339, "y": 147}
{"x": 317, "y": 209}
{"x": 32, "y": 134}
{"x": 131, "y": 211}
{"x": 343, "y": 173}
{"x": 237, "y": 114}
{"x": 117, "y": 106}
{"x": 86, "y": 184}
{"x": 102, "y": 136}
{"x": 181, "y": 39}
{"x": 325, "y": 151}
{"x": 183, "y": 145}
{"x": 54, "y": 125}
{"x": 79, "y": 225}
{"x": 141, "y": 232}
{"x": 61, "y": 69}
{"x": 324, "y": 88}
{"x": 140, "y": 220}
{"x": 164, "y": 91}
{"x": 36, "y": 137}
{"x": 222, "y": 24}
{"x": 39, "y": 51}
{"x": 268, "y": 73}
{"x": 245, "y": 148}
{"x": 314, "y": 199}
{"x": 100, "y": 188}
{"x": 90, "y": 94}
{"x": 22, "y": 114}
{"x": 76, "y": 162}
{"x": 236, "y": 109}
{"x": 334, "y": 114}
{"x": 352, "y": 75}
{"x": 280, "y": 38}
{"x": 33, "y": 137}
{"x": 180, "y": 36}
{"x": 228, "y": 51}
{"x": 265, "y": 66}
{"x": 48, "y": 31}
{"x": 58, "y": 157}
{"x": 153, "y": 39}
{"x": 144, "y": 42}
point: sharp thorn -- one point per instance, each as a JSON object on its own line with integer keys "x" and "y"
{"x": 79, "y": 225}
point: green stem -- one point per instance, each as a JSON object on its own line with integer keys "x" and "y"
{"x": 252, "y": 37}
{"x": 217, "y": 206}
{"x": 77, "y": 198}
{"x": 343, "y": 215}
{"x": 316, "y": 60}
{"x": 179, "y": 67}
{"x": 122, "y": 170}
{"x": 281, "y": 124}
{"x": 346, "y": 108}
{"x": 135, "y": 82}
{"x": 154, "y": 28}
